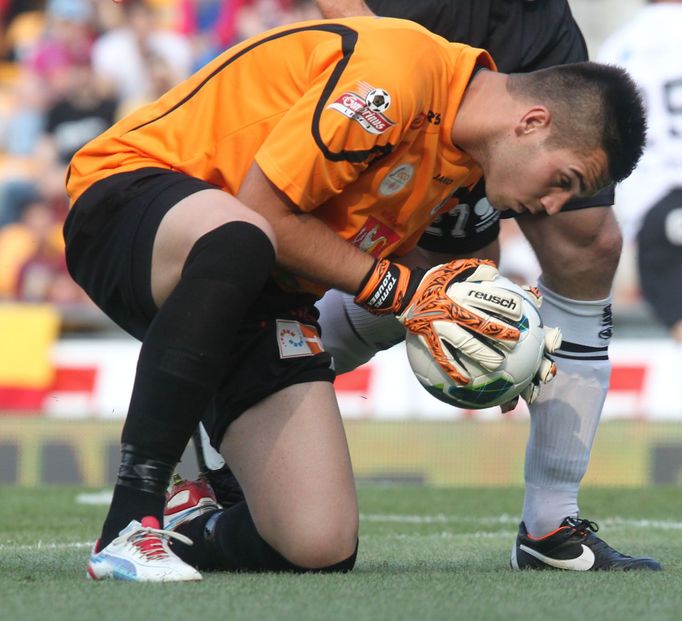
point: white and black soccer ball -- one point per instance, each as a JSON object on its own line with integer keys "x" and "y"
{"x": 487, "y": 388}
{"x": 378, "y": 100}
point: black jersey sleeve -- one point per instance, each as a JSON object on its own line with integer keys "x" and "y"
{"x": 521, "y": 35}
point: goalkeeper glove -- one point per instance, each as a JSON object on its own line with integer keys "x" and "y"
{"x": 473, "y": 322}
{"x": 547, "y": 369}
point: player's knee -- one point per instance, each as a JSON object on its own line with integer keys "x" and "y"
{"x": 584, "y": 263}
{"x": 240, "y": 253}
{"x": 325, "y": 556}
{"x": 264, "y": 225}
{"x": 328, "y": 546}
{"x": 606, "y": 249}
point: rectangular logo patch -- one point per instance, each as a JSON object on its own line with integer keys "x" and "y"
{"x": 374, "y": 237}
{"x": 296, "y": 339}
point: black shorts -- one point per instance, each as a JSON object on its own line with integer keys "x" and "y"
{"x": 269, "y": 355}
{"x": 109, "y": 237}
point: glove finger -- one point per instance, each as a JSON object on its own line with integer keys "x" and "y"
{"x": 447, "y": 362}
{"x": 530, "y": 393}
{"x": 419, "y": 320}
{"x": 465, "y": 342}
{"x": 485, "y": 271}
{"x": 534, "y": 295}
{"x": 547, "y": 370}
{"x": 553, "y": 339}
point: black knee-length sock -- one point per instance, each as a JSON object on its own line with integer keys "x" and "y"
{"x": 184, "y": 356}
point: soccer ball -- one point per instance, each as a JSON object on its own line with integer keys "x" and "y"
{"x": 378, "y": 100}
{"x": 487, "y": 388}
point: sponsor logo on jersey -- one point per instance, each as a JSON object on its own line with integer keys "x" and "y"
{"x": 374, "y": 237}
{"x": 486, "y": 215}
{"x": 366, "y": 107}
{"x": 296, "y": 339}
{"x": 378, "y": 100}
{"x": 443, "y": 179}
{"x": 433, "y": 117}
{"x": 396, "y": 179}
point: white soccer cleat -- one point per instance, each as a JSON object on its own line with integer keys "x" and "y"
{"x": 141, "y": 553}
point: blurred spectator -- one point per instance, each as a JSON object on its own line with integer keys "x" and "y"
{"x": 214, "y": 25}
{"x": 21, "y": 124}
{"x": 44, "y": 78}
{"x": 83, "y": 112}
{"x": 122, "y": 57}
{"x": 15, "y": 195}
{"x": 161, "y": 78}
{"x": 23, "y": 116}
{"x": 21, "y": 24}
{"x": 649, "y": 202}
{"x": 211, "y": 25}
{"x": 259, "y": 15}
{"x": 36, "y": 236}
{"x": 66, "y": 40}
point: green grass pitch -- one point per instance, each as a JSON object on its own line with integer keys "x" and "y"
{"x": 425, "y": 554}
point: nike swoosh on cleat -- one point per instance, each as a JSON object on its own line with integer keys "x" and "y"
{"x": 580, "y": 563}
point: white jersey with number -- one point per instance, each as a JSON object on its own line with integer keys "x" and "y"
{"x": 650, "y": 48}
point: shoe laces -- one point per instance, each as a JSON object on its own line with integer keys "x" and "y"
{"x": 581, "y": 526}
{"x": 152, "y": 543}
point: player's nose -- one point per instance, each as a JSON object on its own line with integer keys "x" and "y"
{"x": 552, "y": 203}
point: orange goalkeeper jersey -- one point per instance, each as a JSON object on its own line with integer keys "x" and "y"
{"x": 350, "y": 118}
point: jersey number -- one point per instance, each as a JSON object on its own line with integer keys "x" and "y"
{"x": 460, "y": 214}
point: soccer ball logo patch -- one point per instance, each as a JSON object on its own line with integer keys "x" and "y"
{"x": 378, "y": 100}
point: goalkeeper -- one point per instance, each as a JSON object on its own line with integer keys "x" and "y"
{"x": 208, "y": 222}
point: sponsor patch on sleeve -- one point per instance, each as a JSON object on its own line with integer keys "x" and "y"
{"x": 366, "y": 106}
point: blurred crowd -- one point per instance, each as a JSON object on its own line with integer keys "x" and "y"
{"x": 68, "y": 70}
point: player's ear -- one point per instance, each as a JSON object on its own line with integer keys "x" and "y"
{"x": 533, "y": 119}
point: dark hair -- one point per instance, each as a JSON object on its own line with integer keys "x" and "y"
{"x": 592, "y": 105}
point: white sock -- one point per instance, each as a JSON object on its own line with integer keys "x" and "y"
{"x": 564, "y": 419}
{"x": 353, "y": 335}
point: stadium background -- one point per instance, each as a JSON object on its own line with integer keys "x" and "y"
{"x": 66, "y": 371}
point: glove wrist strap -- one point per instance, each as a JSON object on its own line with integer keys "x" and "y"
{"x": 383, "y": 289}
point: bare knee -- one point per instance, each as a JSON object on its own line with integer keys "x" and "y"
{"x": 606, "y": 250}
{"x": 325, "y": 544}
